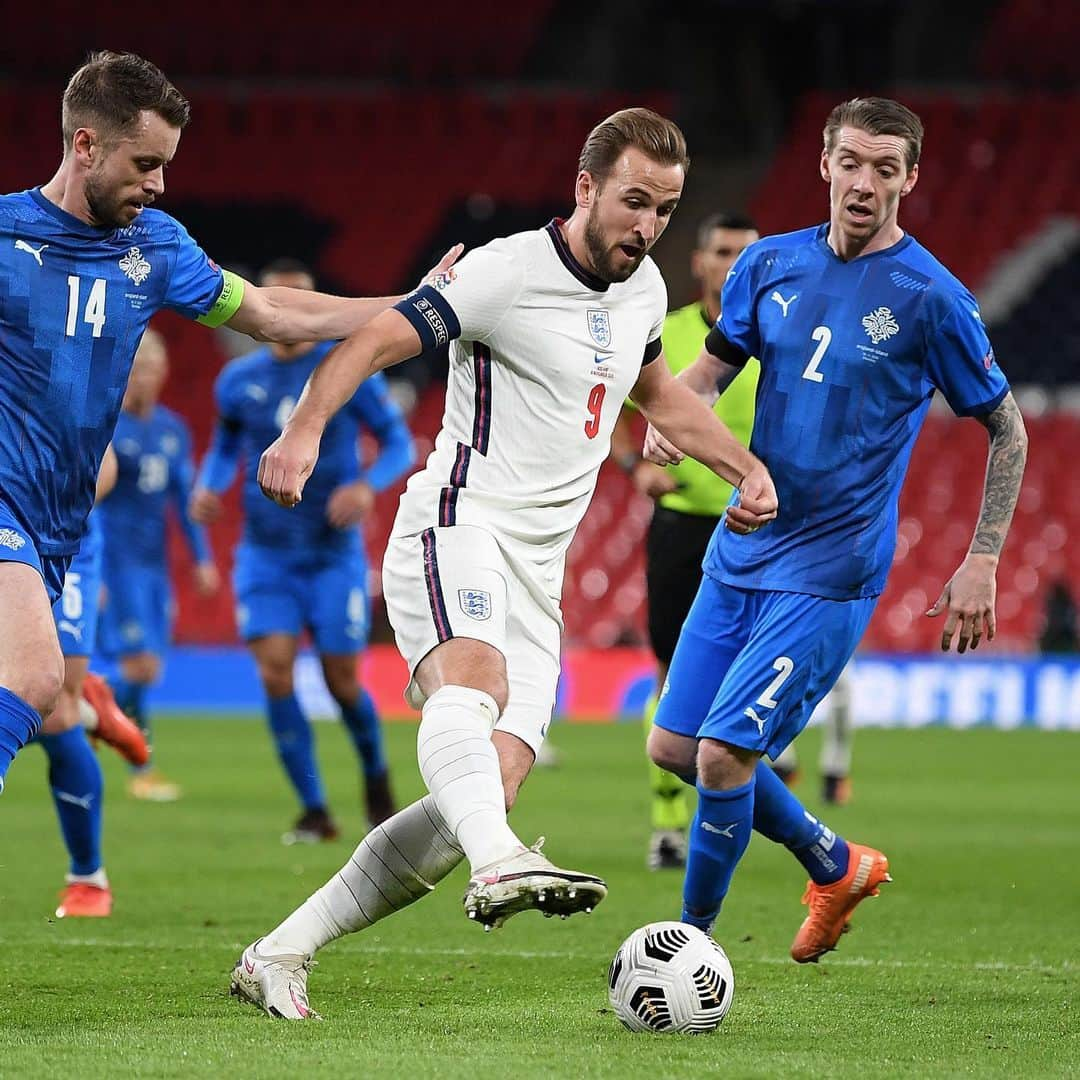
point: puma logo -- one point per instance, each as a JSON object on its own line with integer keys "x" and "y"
{"x": 757, "y": 720}
{"x": 784, "y": 304}
{"x": 726, "y": 831}
{"x": 22, "y": 245}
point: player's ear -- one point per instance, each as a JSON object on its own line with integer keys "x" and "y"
{"x": 85, "y": 146}
{"x": 825, "y": 174}
{"x": 585, "y": 189}
{"x": 912, "y": 180}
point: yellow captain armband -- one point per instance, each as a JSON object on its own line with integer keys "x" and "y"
{"x": 229, "y": 299}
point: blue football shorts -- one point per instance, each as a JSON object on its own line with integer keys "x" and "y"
{"x": 76, "y": 612}
{"x": 751, "y": 665}
{"x": 278, "y": 592}
{"x": 17, "y": 545}
{"x": 137, "y": 614}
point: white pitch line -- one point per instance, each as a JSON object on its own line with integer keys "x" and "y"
{"x": 479, "y": 954}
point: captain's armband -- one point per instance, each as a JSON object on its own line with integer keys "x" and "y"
{"x": 228, "y": 301}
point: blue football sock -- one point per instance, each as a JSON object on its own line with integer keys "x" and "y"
{"x": 782, "y": 818}
{"x": 362, "y": 722}
{"x": 131, "y": 697}
{"x": 77, "y": 787}
{"x": 296, "y": 749}
{"x": 18, "y": 725}
{"x": 718, "y": 837}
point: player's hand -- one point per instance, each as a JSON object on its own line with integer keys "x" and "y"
{"x": 349, "y": 504}
{"x": 969, "y": 597}
{"x": 205, "y": 507}
{"x": 207, "y": 579}
{"x": 286, "y": 464}
{"x": 659, "y": 450}
{"x": 443, "y": 264}
{"x": 757, "y": 503}
{"x": 652, "y": 480}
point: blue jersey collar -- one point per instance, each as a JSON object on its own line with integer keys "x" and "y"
{"x": 69, "y": 221}
{"x": 895, "y": 249}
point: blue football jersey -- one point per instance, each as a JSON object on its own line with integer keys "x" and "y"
{"x": 154, "y": 469}
{"x": 74, "y": 302}
{"x": 255, "y": 395}
{"x": 851, "y": 354}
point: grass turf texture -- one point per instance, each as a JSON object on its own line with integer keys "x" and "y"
{"x": 967, "y": 965}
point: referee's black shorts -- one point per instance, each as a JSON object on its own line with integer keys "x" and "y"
{"x": 673, "y": 552}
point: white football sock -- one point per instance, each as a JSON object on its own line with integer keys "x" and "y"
{"x": 88, "y": 718}
{"x": 97, "y": 878}
{"x": 460, "y": 766}
{"x": 396, "y": 863}
{"x": 787, "y": 758}
{"x": 839, "y": 732}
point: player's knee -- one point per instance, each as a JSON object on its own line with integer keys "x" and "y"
{"x": 670, "y": 753}
{"x": 277, "y": 679}
{"x": 41, "y": 687}
{"x": 343, "y": 686}
{"x": 64, "y": 716}
{"x": 143, "y": 668}
{"x": 721, "y": 766}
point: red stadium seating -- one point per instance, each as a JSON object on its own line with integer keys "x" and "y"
{"x": 604, "y": 592}
{"x": 1033, "y": 42}
{"x": 474, "y": 42}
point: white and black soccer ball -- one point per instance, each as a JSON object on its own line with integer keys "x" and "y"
{"x": 669, "y": 976}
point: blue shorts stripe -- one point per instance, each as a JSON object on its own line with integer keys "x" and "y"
{"x": 434, "y": 588}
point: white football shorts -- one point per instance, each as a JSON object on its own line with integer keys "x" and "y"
{"x": 458, "y": 582}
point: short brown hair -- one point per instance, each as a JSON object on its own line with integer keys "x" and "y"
{"x": 877, "y": 116}
{"x": 652, "y": 134}
{"x": 110, "y": 90}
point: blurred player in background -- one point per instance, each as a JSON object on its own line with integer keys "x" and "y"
{"x": 85, "y": 261}
{"x": 86, "y": 703}
{"x": 690, "y": 502}
{"x": 156, "y": 471}
{"x": 856, "y": 325}
{"x": 551, "y": 330}
{"x": 306, "y": 568}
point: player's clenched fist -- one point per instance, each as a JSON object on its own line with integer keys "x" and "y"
{"x": 285, "y": 466}
{"x": 757, "y": 503}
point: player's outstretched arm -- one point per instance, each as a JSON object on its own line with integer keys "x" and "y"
{"x": 969, "y": 595}
{"x": 682, "y": 414}
{"x": 287, "y": 463}
{"x": 288, "y": 315}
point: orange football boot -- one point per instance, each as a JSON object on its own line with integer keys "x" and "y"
{"x": 82, "y": 900}
{"x": 831, "y": 905}
{"x": 113, "y": 726}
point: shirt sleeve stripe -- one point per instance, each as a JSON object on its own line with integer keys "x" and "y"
{"x": 652, "y": 351}
{"x": 431, "y": 317}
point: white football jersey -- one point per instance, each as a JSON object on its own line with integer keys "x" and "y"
{"x": 543, "y": 356}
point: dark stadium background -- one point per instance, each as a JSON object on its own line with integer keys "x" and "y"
{"x": 365, "y": 138}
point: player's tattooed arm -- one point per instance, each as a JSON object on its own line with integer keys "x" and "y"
{"x": 1004, "y": 471}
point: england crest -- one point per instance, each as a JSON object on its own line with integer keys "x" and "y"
{"x": 600, "y": 327}
{"x": 476, "y": 603}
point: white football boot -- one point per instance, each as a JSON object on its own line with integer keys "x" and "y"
{"x": 526, "y": 880}
{"x": 276, "y": 984}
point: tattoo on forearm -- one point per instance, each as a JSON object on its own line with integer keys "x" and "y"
{"x": 1004, "y": 471}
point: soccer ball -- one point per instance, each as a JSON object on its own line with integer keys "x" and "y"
{"x": 669, "y": 976}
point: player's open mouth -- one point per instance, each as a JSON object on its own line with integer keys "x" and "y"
{"x": 860, "y": 211}
{"x": 631, "y": 252}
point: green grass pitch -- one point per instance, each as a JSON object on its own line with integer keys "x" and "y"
{"x": 966, "y": 966}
